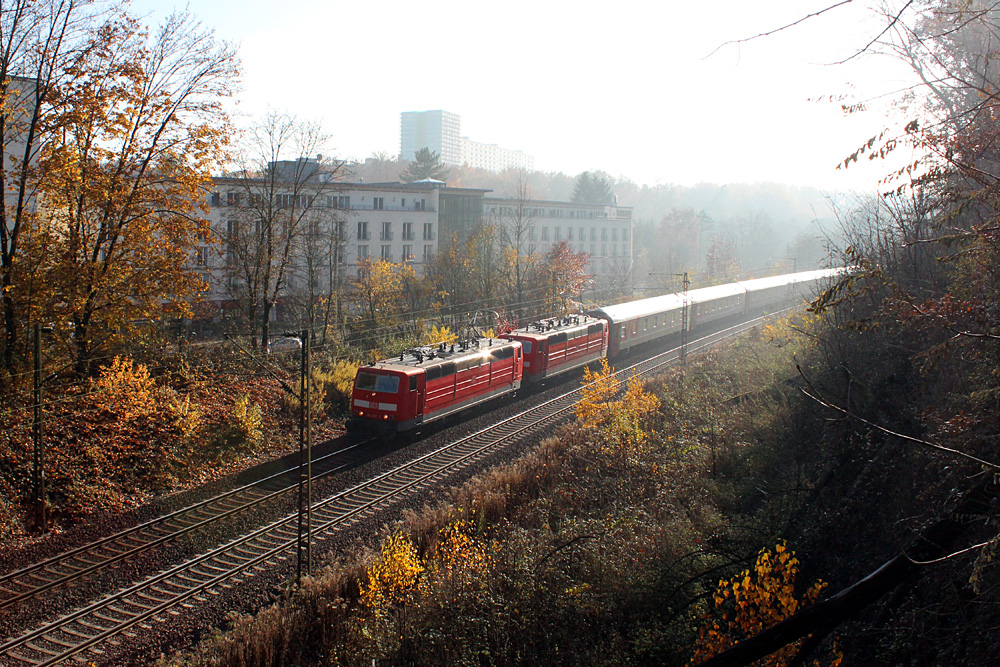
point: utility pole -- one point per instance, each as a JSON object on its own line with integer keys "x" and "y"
{"x": 304, "y": 550}
{"x": 36, "y": 435}
{"x": 685, "y": 315}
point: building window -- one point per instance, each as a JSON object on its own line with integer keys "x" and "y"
{"x": 386, "y": 231}
{"x": 420, "y": 205}
{"x": 593, "y": 248}
{"x": 604, "y": 250}
{"x": 625, "y": 235}
{"x": 201, "y": 259}
{"x": 407, "y": 231}
{"x": 407, "y": 253}
{"x": 363, "y": 231}
{"x": 604, "y": 233}
{"x": 378, "y": 203}
{"x": 558, "y": 236}
{"x": 232, "y": 199}
{"x": 593, "y": 233}
{"x": 428, "y": 231}
{"x": 569, "y": 234}
{"x": 545, "y": 233}
{"x": 614, "y": 234}
{"x": 387, "y": 253}
{"x": 362, "y": 252}
{"x": 428, "y": 252}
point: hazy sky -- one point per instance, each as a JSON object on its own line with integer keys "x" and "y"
{"x": 627, "y": 87}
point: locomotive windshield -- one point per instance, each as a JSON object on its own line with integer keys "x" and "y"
{"x": 377, "y": 382}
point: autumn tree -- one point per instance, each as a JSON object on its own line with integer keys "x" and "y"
{"x": 282, "y": 237}
{"x": 515, "y": 223}
{"x": 568, "y": 271}
{"x": 426, "y": 164}
{"x": 379, "y": 288}
{"x": 38, "y": 42}
{"x": 140, "y": 124}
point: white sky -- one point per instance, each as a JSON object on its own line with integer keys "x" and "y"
{"x": 626, "y": 87}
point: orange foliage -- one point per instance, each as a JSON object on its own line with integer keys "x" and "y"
{"x": 755, "y": 600}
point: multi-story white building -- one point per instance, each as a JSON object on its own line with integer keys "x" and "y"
{"x": 604, "y": 232}
{"x": 440, "y": 131}
{"x": 494, "y": 158}
{"x": 338, "y": 224}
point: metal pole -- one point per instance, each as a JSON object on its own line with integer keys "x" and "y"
{"x": 685, "y": 319}
{"x": 307, "y": 382}
{"x": 36, "y": 434}
{"x": 300, "y": 541}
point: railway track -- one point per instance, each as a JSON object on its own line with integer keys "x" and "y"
{"x": 171, "y": 591}
{"x": 87, "y": 560}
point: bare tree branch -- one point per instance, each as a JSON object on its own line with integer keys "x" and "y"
{"x": 908, "y": 438}
{"x": 777, "y": 30}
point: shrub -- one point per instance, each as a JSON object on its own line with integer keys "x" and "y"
{"x": 125, "y": 389}
{"x": 242, "y": 429}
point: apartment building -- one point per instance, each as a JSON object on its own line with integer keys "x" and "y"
{"x": 336, "y": 224}
{"x": 604, "y": 232}
{"x": 440, "y": 131}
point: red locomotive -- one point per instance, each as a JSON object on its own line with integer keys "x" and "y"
{"x": 558, "y": 345}
{"x": 429, "y": 383}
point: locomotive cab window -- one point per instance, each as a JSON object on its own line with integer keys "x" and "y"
{"x": 526, "y": 346}
{"x": 376, "y": 382}
{"x": 413, "y": 383}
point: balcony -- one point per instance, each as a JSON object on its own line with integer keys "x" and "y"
{"x": 386, "y": 236}
{"x": 364, "y": 236}
{"x": 429, "y": 236}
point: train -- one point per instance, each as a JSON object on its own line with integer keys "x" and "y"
{"x": 430, "y": 383}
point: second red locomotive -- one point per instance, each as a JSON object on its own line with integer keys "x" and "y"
{"x": 425, "y": 384}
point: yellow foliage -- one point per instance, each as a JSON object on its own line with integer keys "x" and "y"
{"x": 459, "y": 555}
{"x": 441, "y": 334}
{"x": 597, "y": 394}
{"x": 755, "y": 600}
{"x": 621, "y": 422}
{"x": 125, "y": 389}
{"x": 393, "y": 577}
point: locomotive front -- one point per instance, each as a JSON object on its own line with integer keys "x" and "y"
{"x": 385, "y": 393}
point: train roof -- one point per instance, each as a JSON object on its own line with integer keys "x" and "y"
{"x": 433, "y": 355}
{"x": 632, "y": 310}
{"x": 546, "y": 327}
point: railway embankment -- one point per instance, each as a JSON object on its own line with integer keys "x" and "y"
{"x": 604, "y": 544}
